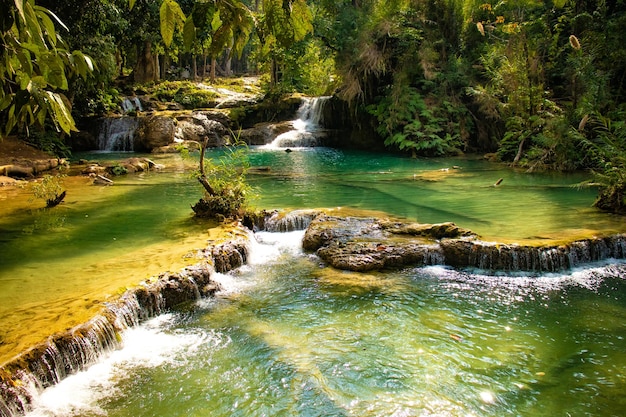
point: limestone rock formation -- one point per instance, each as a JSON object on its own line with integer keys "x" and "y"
{"x": 153, "y": 132}
{"x": 365, "y": 244}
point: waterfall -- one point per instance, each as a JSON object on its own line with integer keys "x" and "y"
{"x": 288, "y": 222}
{"x": 306, "y": 128}
{"x": 117, "y": 134}
{"x": 64, "y": 354}
{"x": 500, "y": 257}
{"x": 131, "y": 104}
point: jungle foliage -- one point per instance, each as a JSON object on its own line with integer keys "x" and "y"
{"x": 539, "y": 85}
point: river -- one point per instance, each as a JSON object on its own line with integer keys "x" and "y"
{"x": 289, "y": 337}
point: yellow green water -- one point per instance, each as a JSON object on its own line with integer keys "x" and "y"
{"x": 58, "y": 265}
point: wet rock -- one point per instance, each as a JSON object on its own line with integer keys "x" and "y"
{"x": 22, "y": 168}
{"x": 230, "y": 255}
{"x": 365, "y": 244}
{"x": 199, "y": 125}
{"x": 369, "y": 256}
{"x": 461, "y": 253}
{"x": 154, "y": 132}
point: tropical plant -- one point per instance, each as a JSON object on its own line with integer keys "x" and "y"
{"x": 407, "y": 122}
{"x": 50, "y": 188}
{"x": 35, "y": 66}
{"x": 607, "y": 145}
{"x": 279, "y": 25}
{"x": 226, "y": 190}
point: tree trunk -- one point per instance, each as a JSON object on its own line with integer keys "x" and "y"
{"x": 144, "y": 70}
{"x": 157, "y": 68}
{"x": 213, "y": 65}
{"x": 204, "y": 57}
{"x": 194, "y": 66}
{"x": 274, "y": 78}
{"x": 202, "y": 177}
{"x": 164, "y": 66}
{"x": 119, "y": 62}
{"x": 227, "y": 63}
{"x": 56, "y": 200}
{"x": 519, "y": 150}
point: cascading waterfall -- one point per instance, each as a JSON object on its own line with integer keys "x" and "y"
{"x": 131, "y": 104}
{"x": 500, "y": 257}
{"x": 65, "y": 354}
{"x": 289, "y": 222}
{"x": 117, "y": 134}
{"x": 335, "y": 344}
{"x": 306, "y": 127}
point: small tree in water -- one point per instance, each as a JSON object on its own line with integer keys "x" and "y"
{"x": 50, "y": 189}
{"x": 224, "y": 182}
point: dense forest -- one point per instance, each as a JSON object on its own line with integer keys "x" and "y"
{"x": 540, "y": 84}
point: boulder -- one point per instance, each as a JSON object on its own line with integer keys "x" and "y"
{"x": 365, "y": 244}
{"x": 229, "y": 255}
{"x": 154, "y": 132}
{"x": 197, "y": 126}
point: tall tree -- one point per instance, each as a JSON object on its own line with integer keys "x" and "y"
{"x": 279, "y": 24}
{"x": 221, "y": 25}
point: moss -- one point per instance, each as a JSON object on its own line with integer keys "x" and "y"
{"x": 186, "y": 93}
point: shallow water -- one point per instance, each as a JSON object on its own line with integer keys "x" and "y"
{"x": 524, "y": 206}
{"x": 288, "y": 337}
{"x": 57, "y": 266}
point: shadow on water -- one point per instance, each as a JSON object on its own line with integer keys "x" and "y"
{"x": 140, "y": 215}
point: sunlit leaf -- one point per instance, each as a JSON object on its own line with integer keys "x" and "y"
{"x": 172, "y": 17}
{"x": 61, "y": 111}
{"x": 48, "y": 26}
{"x": 189, "y": 33}
{"x": 54, "y": 16}
{"x": 19, "y": 4}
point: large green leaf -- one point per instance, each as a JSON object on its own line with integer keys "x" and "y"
{"x": 82, "y": 64}
{"x": 172, "y": 17}
{"x": 59, "y": 107}
{"x": 189, "y": 34}
{"x": 53, "y": 70}
{"x": 48, "y": 26}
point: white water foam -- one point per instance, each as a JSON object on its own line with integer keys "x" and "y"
{"x": 269, "y": 246}
{"x": 589, "y": 276}
{"x": 151, "y": 344}
{"x": 304, "y": 127}
{"x": 265, "y": 248}
{"x": 148, "y": 345}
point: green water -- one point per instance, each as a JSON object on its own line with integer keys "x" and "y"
{"x": 524, "y": 206}
{"x": 293, "y": 338}
{"x": 57, "y": 266}
{"x": 289, "y": 338}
